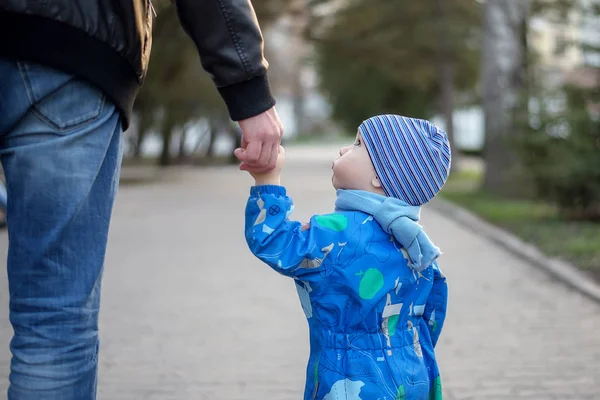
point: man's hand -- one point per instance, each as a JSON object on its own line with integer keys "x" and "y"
{"x": 271, "y": 177}
{"x": 261, "y": 136}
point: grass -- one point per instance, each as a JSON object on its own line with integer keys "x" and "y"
{"x": 535, "y": 222}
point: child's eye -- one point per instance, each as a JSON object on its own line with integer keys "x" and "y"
{"x": 357, "y": 143}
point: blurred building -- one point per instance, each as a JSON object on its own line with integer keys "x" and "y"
{"x": 557, "y": 44}
{"x": 558, "y": 41}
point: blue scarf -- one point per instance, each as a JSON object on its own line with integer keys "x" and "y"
{"x": 396, "y": 218}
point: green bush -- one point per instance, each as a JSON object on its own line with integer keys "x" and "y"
{"x": 562, "y": 157}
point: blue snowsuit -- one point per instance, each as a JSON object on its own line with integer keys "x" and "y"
{"x": 374, "y": 319}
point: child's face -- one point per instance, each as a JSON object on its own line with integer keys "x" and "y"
{"x": 354, "y": 170}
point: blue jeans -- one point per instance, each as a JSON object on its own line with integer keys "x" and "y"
{"x": 3, "y": 197}
{"x": 60, "y": 144}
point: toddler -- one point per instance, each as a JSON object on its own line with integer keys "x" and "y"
{"x": 366, "y": 275}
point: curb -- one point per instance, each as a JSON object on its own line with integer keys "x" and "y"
{"x": 563, "y": 271}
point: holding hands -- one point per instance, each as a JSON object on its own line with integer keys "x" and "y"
{"x": 261, "y": 136}
{"x": 271, "y": 177}
{"x": 261, "y": 153}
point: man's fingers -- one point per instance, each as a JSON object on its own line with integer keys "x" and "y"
{"x": 254, "y": 169}
{"x": 239, "y": 153}
{"x": 274, "y": 156}
{"x": 247, "y": 167}
{"x": 251, "y": 155}
{"x": 268, "y": 158}
{"x": 266, "y": 155}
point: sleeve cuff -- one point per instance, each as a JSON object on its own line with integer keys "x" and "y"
{"x": 249, "y": 98}
{"x": 268, "y": 189}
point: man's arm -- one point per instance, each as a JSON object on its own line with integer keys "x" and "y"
{"x": 230, "y": 44}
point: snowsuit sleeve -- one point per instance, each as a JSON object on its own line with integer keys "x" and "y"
{"x": 435, "y": 307}
{"x": 280, "y": 242}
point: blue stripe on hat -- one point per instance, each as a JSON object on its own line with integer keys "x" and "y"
{"x": 409, "y": 147}
{"x": 405, "y": 143}
{"x": 386, "y": 155}
{"x": 411, "y": 156}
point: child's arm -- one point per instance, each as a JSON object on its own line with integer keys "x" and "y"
{"x": 288, "y": 247}
{"x": 435, "y": 307}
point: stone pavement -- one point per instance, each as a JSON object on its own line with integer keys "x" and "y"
{"x": 188, "y": 313}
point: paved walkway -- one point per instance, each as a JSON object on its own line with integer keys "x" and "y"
{"x": 188, "y": 313}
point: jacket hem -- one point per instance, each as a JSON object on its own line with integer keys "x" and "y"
{"x": 66, "y": 48}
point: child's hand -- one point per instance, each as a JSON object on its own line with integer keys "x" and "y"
{"x": 271, "y": 177}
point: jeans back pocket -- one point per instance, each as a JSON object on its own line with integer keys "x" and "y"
{"x": 61, "y": 99}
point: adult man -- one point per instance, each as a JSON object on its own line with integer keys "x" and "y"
{"x": 69, "y": 74}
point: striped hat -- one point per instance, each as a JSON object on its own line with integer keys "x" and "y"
{"x": 411, "y": 156}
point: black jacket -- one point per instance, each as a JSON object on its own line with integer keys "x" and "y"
{"x": 108, "y": 43}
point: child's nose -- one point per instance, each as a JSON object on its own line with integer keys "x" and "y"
{"x": 343, "y": 151}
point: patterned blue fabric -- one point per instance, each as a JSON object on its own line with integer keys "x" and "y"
{"x": 396, "y": 218}
{"x": 374, "y": 320}
{"x": 411, "y": 156}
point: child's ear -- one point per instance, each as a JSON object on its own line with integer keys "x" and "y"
{"x": 375, "y": 182}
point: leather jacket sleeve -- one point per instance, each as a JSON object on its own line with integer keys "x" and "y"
{"x": 230, "y": 44}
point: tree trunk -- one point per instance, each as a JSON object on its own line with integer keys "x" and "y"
{"x": 200, "y": 140}
{"x": 299, "y": 12}
{"x": 298, "y": 101}
{"x": 213, "y": 132}
{"x": 167, "y": 134}
{"x": 236, "y": 135}
{"x": 446, "y": 76}
{"x": 182, "y": 137}
{"x": 504, "y": 57}
{"x": 145, "y": 121}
